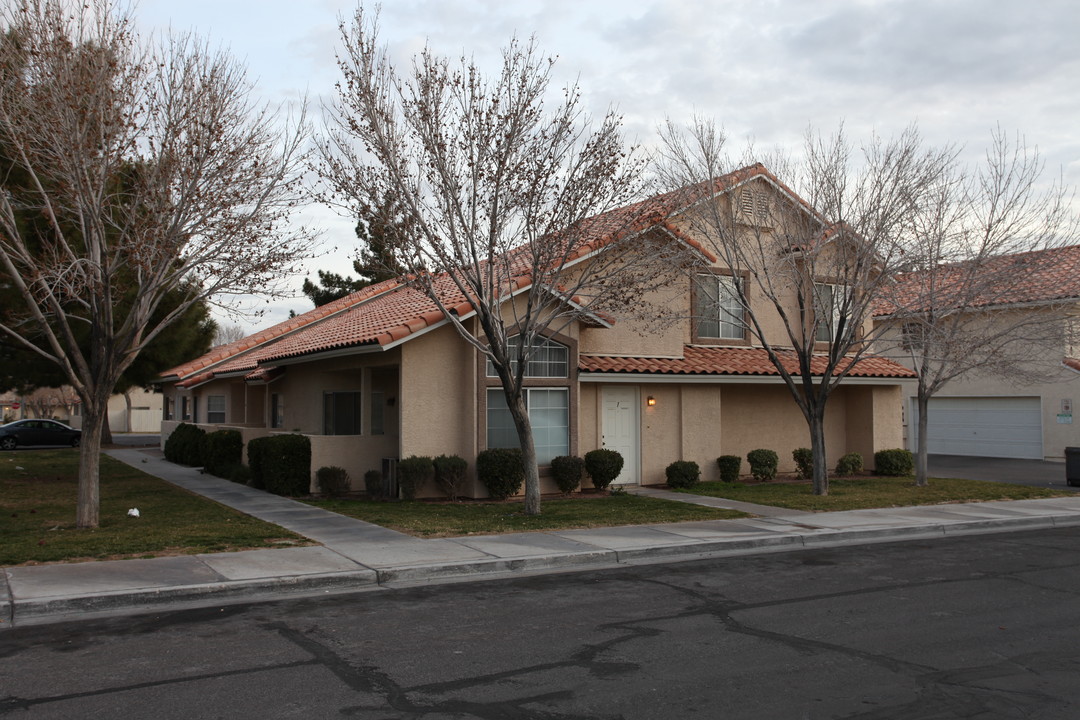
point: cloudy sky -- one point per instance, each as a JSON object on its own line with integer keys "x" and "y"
{"x": 765, "y": 70}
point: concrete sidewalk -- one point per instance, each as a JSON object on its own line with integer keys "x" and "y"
{"x": 355, "y": 555}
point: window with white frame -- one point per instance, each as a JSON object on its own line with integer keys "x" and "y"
{"x": 547, "y": 358}
{"x": 549, "y": 415}
{"x": 341, "y": 413}
{"x": 719, "y": 312}
{"x": 831, "y": 308}
{"x": 215, "y": 409}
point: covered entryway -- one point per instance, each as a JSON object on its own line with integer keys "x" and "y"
{"x": 1003, "y": 427}
{"x": 622, "y": 430}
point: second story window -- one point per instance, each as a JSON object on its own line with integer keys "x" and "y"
{"x": 719, "y": 313}
{"x": 831, "y": 311}
{"x": 548, "y": 359}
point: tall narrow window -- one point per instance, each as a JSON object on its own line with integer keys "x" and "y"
{"x": 185, "y": 408}
{"x": 719, "y": 312}
{"x": 378, "y": 412}
{"x": 277, "y": 410}
{"x": 215, "y": 409}
{"x": 549, "y": 414}
{"x": 831, "y": 310}
{"x": 341, "y": 413}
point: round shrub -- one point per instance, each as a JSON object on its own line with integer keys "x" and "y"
{"x": 894, "y": 462}
{"x": 804, "y": 462}
{"x": 224, "y": 451}
{"x": 285, "y": 464}
{"x": 567, "y": 470}
{"x": 332, "y": 481}
{"x": 501, "y": 470}
{"x": 412, "y": 473}
{"x": 186, "y": 445}
{"x": 373, "y": 484}
{"x": 763, "y": 464}
{"x": 603, "y": 466}
{"x": 730, "y": 467}
{"x": 450, "y": 474}
{"x": 682, "y": 474}
{"x": 850, "y": 464}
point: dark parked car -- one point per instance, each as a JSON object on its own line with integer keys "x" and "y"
{"x": 37, "y": 432}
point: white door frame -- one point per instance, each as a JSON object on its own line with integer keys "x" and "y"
{"x": 631, "y": 450}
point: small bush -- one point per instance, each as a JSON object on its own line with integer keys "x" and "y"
{"x": 412, "y": 473}
{"x": 849, "y": 464}
{"x": 332, "y": 481}
{"x": 373, "y": 484}
{"x": 730, "y": 467}
{"x": 186, "y": 445}
{"x": 224, "y": 451}
{"x": 567, "y": 470}
{"x": 895, "y": 462}
{"x": 804, "y": 462}
{"x": 682, "y": 474}
{"x": 450, "y": 473}
{"x": 281, "y": 464}
{"x": 501, "y": 470}
{"x": 603, "y": 466}
{"x": 763, "y": 464}
{"x": 240, "y": 474}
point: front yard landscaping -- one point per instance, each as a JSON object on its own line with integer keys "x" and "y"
{"x": 445, "y": 519}
{"x": 863, "y": 493}
{"x": 38, "y": 489}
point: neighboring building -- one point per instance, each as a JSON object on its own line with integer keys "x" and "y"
{"x": 990, "y": 415}
{"x": 381, "y": 374}
{"x": 137, "y": 411}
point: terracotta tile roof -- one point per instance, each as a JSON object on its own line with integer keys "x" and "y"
{"x": 392, "y": 310}
{"x": 1071, "y": 363}
{"x": 698, "y": 360}
{"x": 1040, "y": 276}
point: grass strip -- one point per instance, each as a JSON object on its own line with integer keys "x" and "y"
{"x": 431, "y": 519}
{"x": 863, "y": 493}
{"x": 38, "y": 493}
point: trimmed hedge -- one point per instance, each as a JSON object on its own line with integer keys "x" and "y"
{"x": 373, "y": 484}
{"x": 450, "y": 472}
{"x": 763, "y": 464}
{"x": 186, "y": 445}
{"x": 850, "y": 464}
{"x": 281, "y": 464}
{"x": 730, "y": 467}
{"x": 501, "y": 470}
{"x": 332, "y": 481}
{"x": 412, "y": 473}
{"x": 603, "y": 466}
{"x": 804, "y": 462}
{"x": 682, "y": 474}
{"x": 224, "y": 451}
{"x": 896, "y": 462}
{"x": 568, "y": 470}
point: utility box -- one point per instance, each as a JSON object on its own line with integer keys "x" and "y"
{"x": 1072, "y": 466}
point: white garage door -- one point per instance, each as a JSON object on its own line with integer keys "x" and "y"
{"x": 986, "y": 426}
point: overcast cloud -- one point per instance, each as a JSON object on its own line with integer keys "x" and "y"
{"x": 765, "y": 70}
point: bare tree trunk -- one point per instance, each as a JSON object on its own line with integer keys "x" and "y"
{"x": 127, "y": 404}
{"x": 106, "y": 430}
{"x": 88, "y": 514}
{"x": 817, "y": 446}
{"x": 923, "y": 402}
{"x": 528, "y": 455}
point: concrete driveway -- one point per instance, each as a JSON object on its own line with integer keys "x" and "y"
{"x": 1039, "y": 473}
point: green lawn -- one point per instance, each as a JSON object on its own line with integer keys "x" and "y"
{"x": 38, "y": 490}
{"x": 859, "y": 493}
{"x": 428, "y": 519}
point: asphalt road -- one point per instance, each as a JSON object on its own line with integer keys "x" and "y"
{"x": 971, "y": 627}
{"x": 1037, "y": 473}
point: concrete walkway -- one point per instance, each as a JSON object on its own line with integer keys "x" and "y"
{"x": 354, "y": 555}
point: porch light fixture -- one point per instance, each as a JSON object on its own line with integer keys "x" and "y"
{"x": 650, "y": 401}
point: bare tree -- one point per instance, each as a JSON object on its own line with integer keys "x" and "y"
{"x": 509, "y": 201}
{"x": 226, "y": 334}
{"x": 810, "y": 262}
{"x": 981, "y": 293}
{"x": 146, "y": 168}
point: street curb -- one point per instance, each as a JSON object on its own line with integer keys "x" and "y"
{"x": 495, "y": 566}
{"x": 58, "y": 609}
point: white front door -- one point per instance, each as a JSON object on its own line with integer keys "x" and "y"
{"x": 621, "y": 430}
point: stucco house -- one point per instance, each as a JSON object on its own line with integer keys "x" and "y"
{"x": 1023, "y": 414}
{"x": 381, "y": 374}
